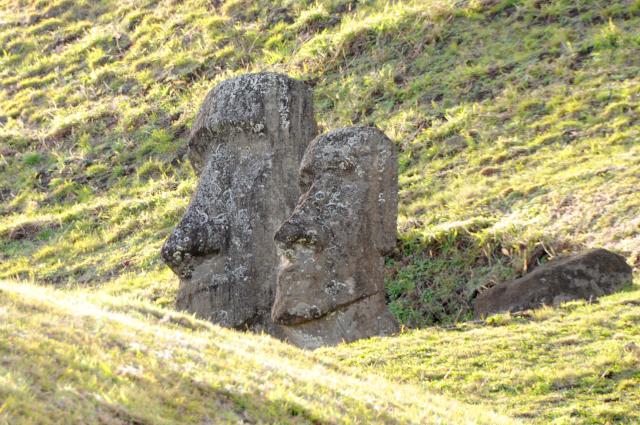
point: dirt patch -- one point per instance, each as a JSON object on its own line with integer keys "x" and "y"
{"x": 27, "y": 230}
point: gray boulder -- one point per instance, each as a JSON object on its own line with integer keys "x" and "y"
{"x": 331, "y": 278}
{"x": 587, "y": 275}
{"x": 246, "y": 146}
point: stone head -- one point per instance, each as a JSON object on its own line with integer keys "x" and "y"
{"x": 332, "y": 246}
{"x": 245, "y": 146}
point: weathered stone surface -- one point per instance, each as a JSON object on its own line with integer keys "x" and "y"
{"x": 587, "y": 275}
{"x": 246, "y": 146}
{"x": 331, "y": 278}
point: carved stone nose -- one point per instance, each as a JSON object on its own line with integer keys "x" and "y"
{"x": 287, "y": 233}
{"x": 298, "y": 230}
{"x": 192, "y": 240}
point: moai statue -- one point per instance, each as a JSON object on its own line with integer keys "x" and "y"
{"x": 246, "y": 146}
{"x": 331, "y": 274}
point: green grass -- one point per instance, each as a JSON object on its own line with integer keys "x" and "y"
{"x": 517, "y": 123}
{"x": 77, "y": 358}
{"x": 576, "y": 364}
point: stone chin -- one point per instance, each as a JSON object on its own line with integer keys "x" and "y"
{"x": 367, "y": 317}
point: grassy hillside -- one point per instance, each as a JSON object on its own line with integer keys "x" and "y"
{"x": 517, "y": 123}
{"x": 87, "y": 359}
{"x": 579, "y": 364}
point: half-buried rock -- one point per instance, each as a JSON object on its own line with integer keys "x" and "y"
{"x": 588, "y": 275}
{"x": 246, "y": 146}
{"x": 331, "y": 279}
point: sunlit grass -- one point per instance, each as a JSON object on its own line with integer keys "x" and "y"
{"x": 72, "y": 357}
{"x": 517, "y": 124}
{"x": 575, "y": 364}
{"x": 523, "y": 115}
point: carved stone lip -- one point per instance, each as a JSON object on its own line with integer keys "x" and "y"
{"x": 285, "y": 318}
{"x": 186, "y": 266}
